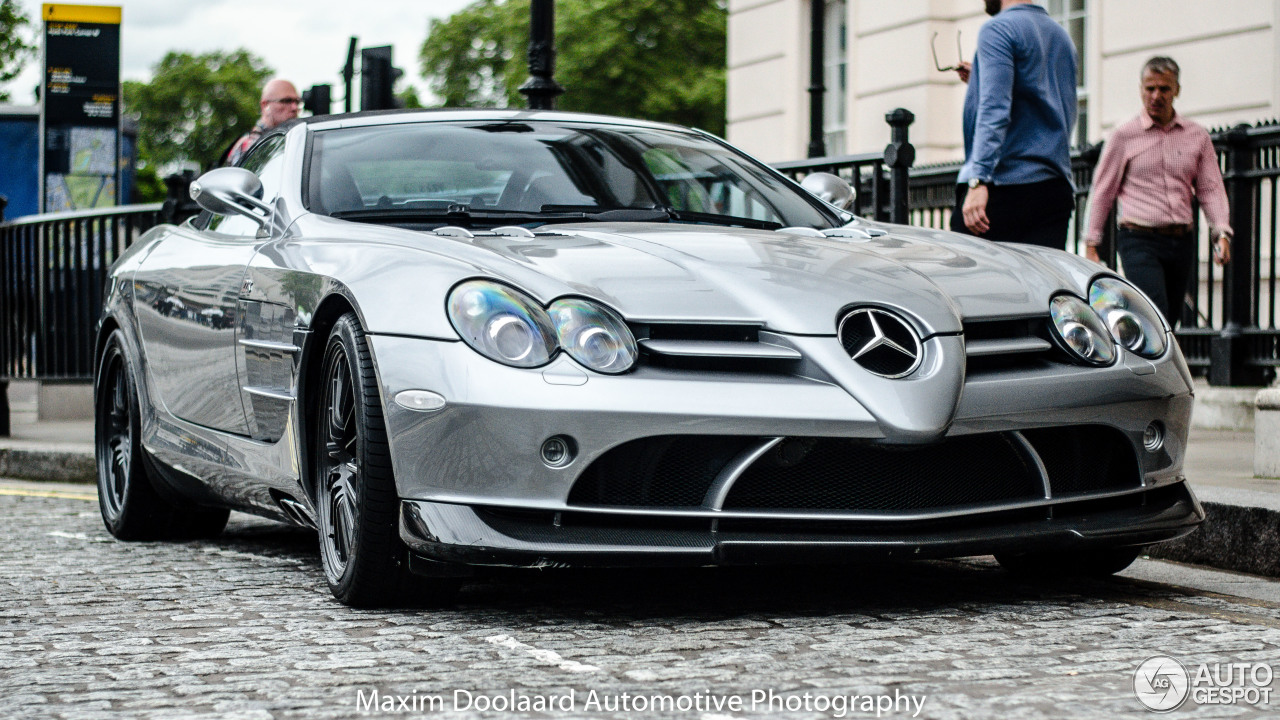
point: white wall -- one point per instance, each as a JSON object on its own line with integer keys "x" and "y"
{"x": 768, "y": 110}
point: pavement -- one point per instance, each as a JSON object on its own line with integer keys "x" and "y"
{"x": 1241, "y": 530}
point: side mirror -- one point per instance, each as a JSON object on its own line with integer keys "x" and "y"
{"x": 231, "y": 190}
{"x": 830, "y": 189}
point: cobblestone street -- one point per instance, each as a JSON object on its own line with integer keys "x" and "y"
{"x": 243, "y": 627}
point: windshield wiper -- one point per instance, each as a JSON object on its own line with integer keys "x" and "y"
{"x": 548, "y": 214}
{"x": 459, "y": 212}
{"x": 660, "y": 213}
{"x": 426, "y": 215}
{"x": 621, "y": 214}
{"x": 717, "y": 219}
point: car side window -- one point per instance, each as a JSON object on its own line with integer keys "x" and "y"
{"x": 267, "y": 162}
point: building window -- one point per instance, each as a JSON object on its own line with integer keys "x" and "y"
{"x": 835, "y": 76}
{"x": 1070, "y": 14}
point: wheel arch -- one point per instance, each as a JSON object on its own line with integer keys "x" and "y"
{"x": 332, "y": 307}
{"x": 109, "y": 325}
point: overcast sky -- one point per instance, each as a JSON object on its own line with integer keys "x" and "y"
{"x": 302, "y": 40}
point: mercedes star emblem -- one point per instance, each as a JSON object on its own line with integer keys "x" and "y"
{"x": 881, "y": 342}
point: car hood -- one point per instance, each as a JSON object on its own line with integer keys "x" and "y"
{"x": 784, "y": 281}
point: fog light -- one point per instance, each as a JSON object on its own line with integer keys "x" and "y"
{"x": 557, "y": 451}
{"x": 1153, "y": 437}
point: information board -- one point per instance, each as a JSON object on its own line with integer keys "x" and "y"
{"x": 80, "y": 106}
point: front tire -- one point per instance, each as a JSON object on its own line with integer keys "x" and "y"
{"x": 365, "y": 563}
{"x": 131, "y": 507}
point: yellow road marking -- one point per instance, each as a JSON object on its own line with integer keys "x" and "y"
{"x": 48, "y": 494}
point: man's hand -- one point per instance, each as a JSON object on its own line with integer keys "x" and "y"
{"x": 963, "y": 70}
{"x": 1091, "y": 253}
{"x": 1222, "y": 250}
{"x": 975, "y": 210}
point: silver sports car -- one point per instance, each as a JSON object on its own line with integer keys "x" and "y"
{"x": 453, "y": 339}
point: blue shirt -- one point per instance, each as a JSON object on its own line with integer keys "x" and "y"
{"x": 1020, "y": 106}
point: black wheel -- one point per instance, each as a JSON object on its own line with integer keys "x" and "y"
{"x": 365, "y": 563}
{"x": 131, "y": 507}
{"x": 1099, "y": 562}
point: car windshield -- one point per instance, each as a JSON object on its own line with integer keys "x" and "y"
{"x": 528, "y": 172}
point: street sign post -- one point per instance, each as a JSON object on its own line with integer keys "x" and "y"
{"x": 80, "y": 107}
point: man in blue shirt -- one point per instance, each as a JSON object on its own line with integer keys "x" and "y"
{"x": 1019, "y": 110}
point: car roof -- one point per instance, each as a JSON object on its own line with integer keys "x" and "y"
{"x": 369, "y": 118}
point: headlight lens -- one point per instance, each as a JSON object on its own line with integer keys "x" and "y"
{"x": 1081, "y": 330}
{"x": 502, "y": 324}
{"x": 594, "y": 335}
{"x": 1134, "y": 323}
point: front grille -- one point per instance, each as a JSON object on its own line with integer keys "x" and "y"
{"x": 841, "y": 474}
{"x": 699, "y": 331}
{"x": 1086, "y": 459}
{"x": 666, "y": 471}
{"x": 713, "y": 338}
{"x": 1027, "y": 332}
{"x": 838, "y": 474}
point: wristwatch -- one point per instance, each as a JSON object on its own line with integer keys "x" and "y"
{"x": 975, "y": 182}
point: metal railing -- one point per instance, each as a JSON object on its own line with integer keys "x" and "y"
{"x": 1228, "y": 327}
{"x": 52, "y": 271}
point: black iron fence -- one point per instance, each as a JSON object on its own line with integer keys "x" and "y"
{"x": 52, "y": 270}
{"x": 1228, "y": 327}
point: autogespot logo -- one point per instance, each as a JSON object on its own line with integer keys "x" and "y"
{"x": 1161, "y": 683}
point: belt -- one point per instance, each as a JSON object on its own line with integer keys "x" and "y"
{"x": 1174, "y": 230}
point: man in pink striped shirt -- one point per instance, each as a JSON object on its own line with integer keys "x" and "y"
{"x": 1154, "y": 164}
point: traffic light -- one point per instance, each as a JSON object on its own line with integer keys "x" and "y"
{"x": 317, "y": 99}
{"x": 377, "y": 79}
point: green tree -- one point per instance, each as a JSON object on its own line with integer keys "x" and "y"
{"x": 147, "y": 185}
{"x": 14, "y": 48}
{"x": 195, "y": 105}
{"x": 657, "y": 60}
{"x": 409, "y": 99}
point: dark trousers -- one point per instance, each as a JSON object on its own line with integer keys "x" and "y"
{"x": 1033, "y": 213}
{"x": 1160, "y": 265}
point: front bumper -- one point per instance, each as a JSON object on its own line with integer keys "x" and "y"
{"x": 488, "y": 535}
{"x": 483, "y": 447}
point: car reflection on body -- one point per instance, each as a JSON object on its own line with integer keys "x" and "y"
{"x": 454, "y": 339}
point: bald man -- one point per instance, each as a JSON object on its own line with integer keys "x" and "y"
{"x": 280, "y": 102}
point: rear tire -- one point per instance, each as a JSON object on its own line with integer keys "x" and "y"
{"x": 131, "y": 507}
{"x": 365, "y": 563}
{"x": 1100, "y": 562}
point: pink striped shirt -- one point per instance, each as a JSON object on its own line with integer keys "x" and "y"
{"x": 1154, "y": 171}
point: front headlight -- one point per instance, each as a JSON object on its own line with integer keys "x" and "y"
{"x": 593, "y": 335}
{"x": 1133, "y": 321}
{"x": 1081, "y": 330}
{"x": 502, "y": 323}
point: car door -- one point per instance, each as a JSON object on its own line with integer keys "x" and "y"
{"x": 188, "y": 289}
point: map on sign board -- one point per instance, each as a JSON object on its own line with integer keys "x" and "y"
{"x": 93, "y": 151}
{"x": 79, "y": 192}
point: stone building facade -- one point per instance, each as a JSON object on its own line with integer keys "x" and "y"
{"x": 877, "y": 57}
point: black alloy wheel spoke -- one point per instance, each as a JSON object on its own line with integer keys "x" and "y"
{"x": 341, "y": 467}
{"x": 118, "y": 437}
{"x": 343, "y": 511}
{"x": 339, "y": 394}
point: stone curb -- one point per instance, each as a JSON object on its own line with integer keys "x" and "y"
{"x": 1241, "y": 532}
{"x": 54, "y": 465}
